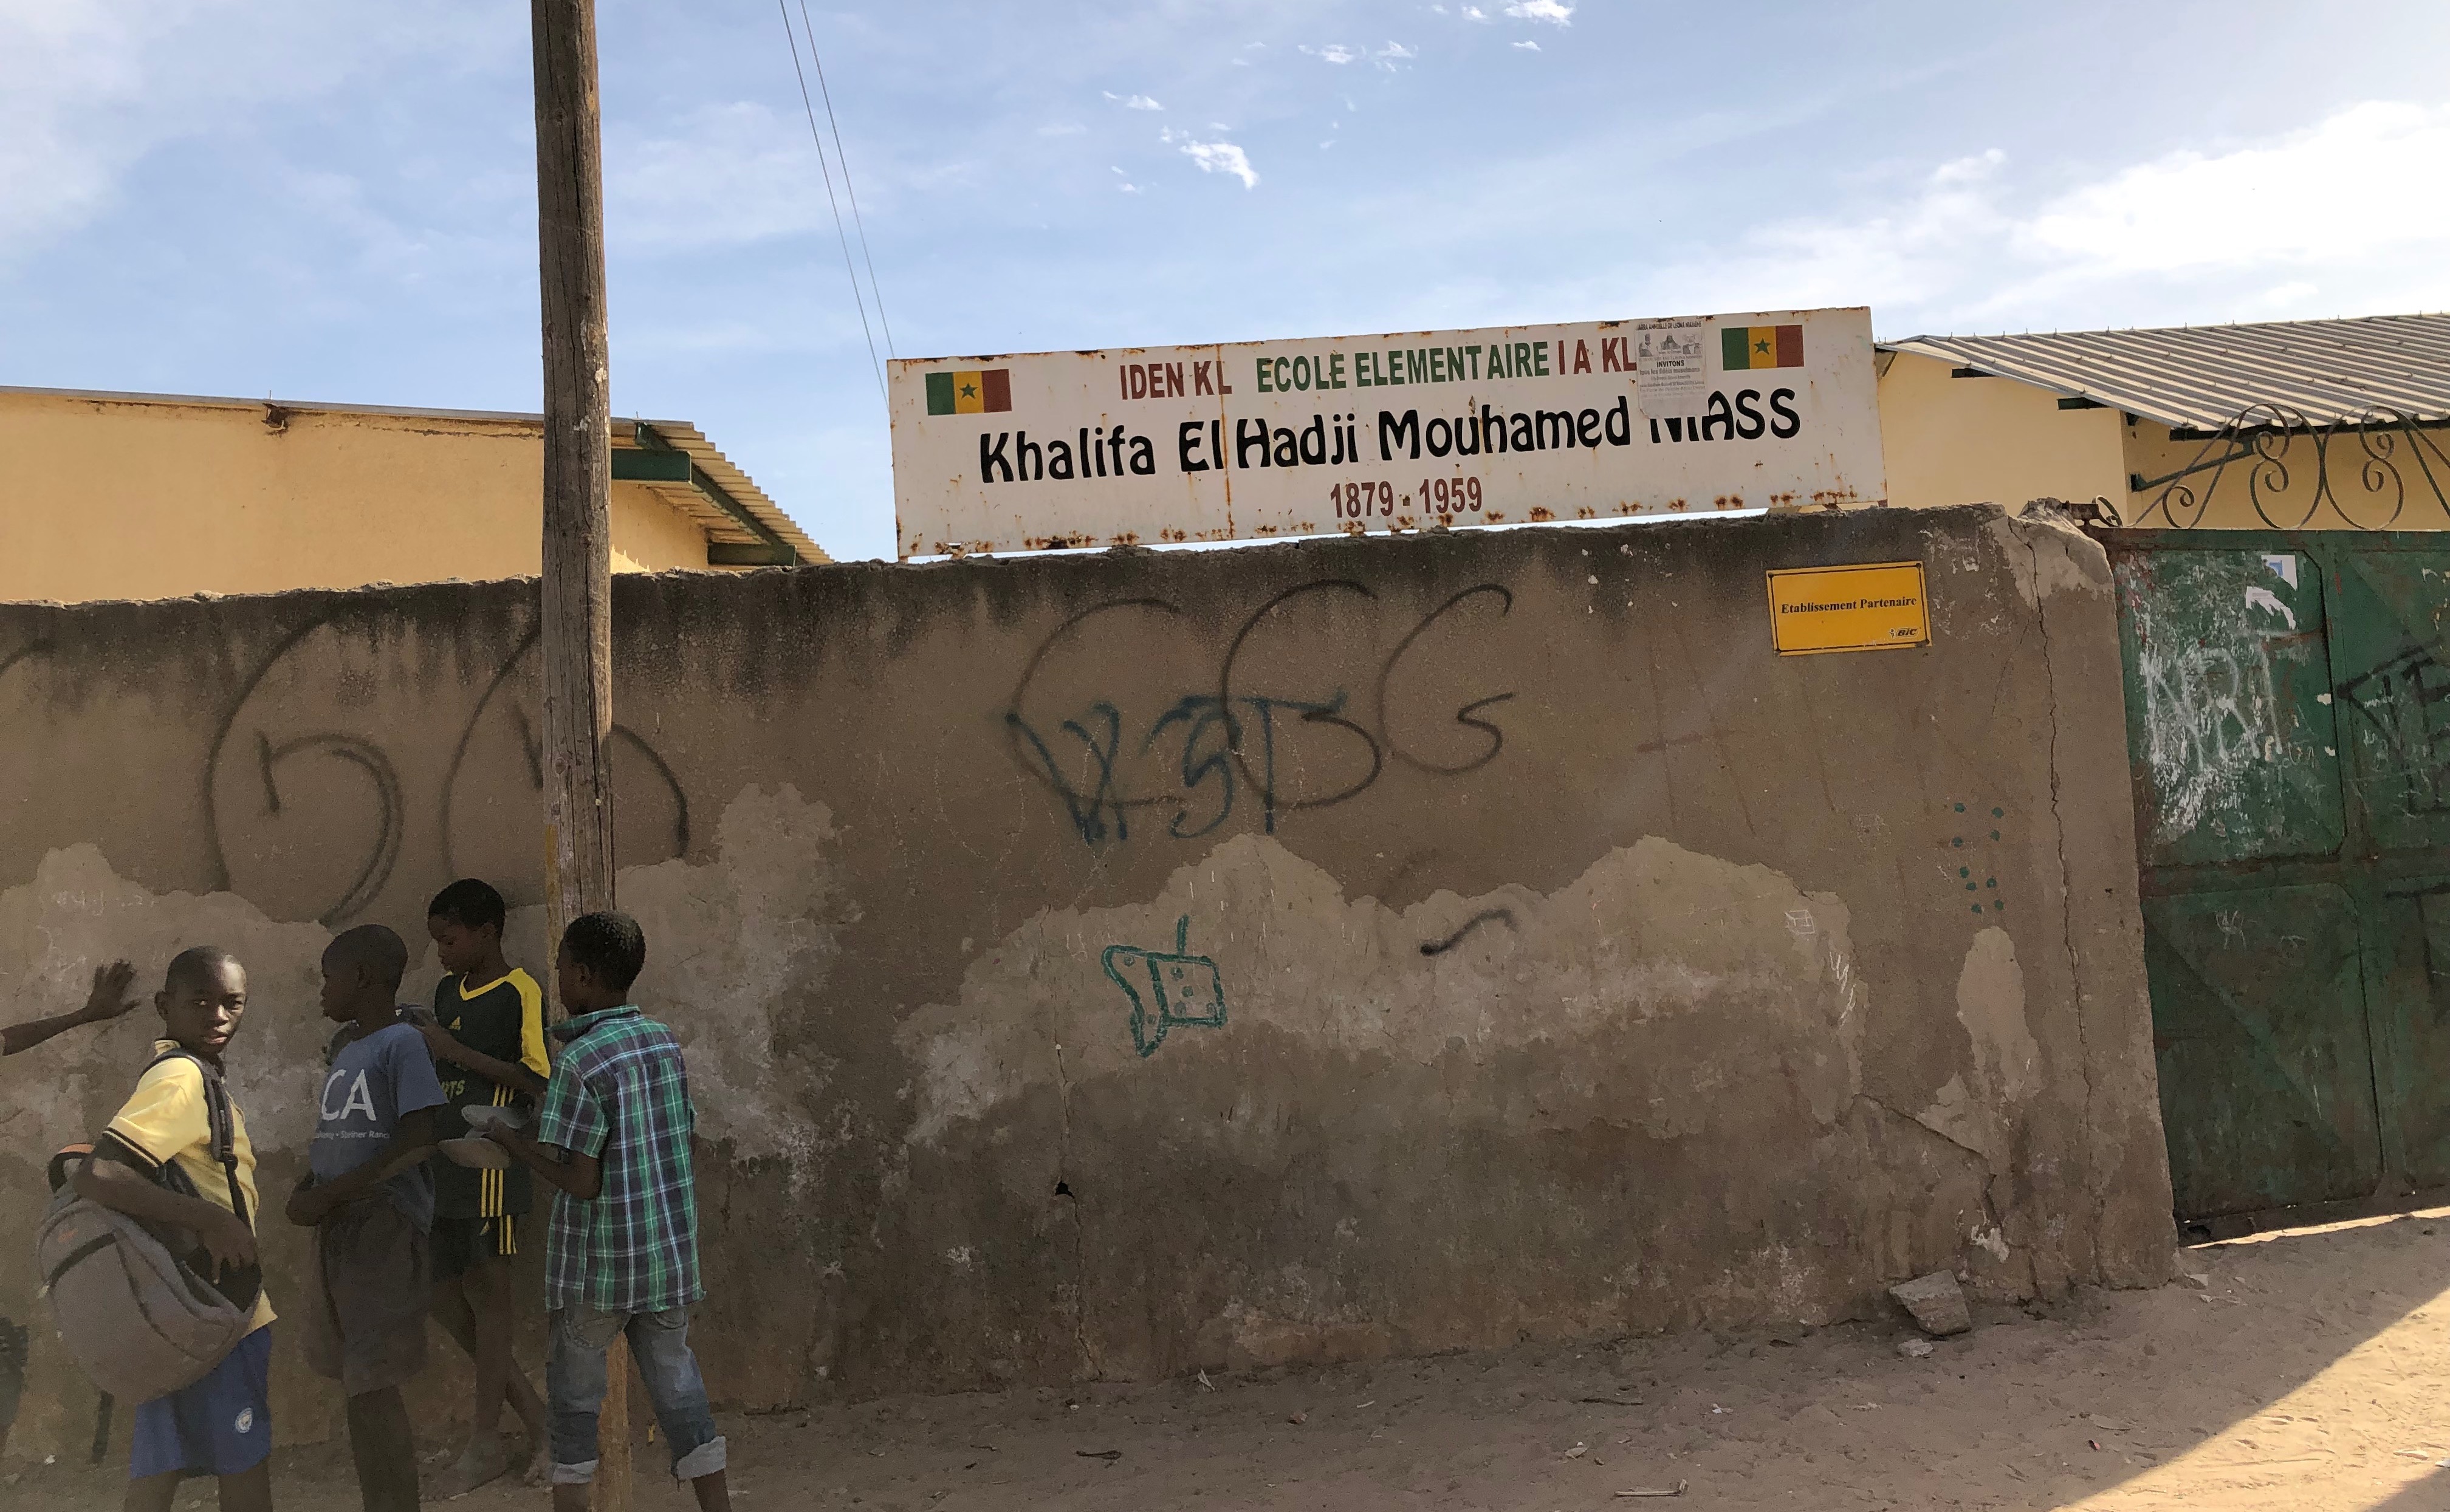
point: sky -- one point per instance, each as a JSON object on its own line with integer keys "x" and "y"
{"x": 336, "y": 202}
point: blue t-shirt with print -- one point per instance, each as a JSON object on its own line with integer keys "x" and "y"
{"x": 373, "y": 1083}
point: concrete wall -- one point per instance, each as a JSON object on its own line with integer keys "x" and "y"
{"x": 1545, "y": 957}
{"x": 113, "y": 496}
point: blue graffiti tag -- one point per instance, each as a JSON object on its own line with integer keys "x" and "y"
{"x": 1089, "y": 818}
{"x": 1236, "y": 745}
{"x": 1184, "y": 988}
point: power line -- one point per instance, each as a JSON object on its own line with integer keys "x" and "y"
{"x": 843, "y": 157}
{"x": 809, "y": 105}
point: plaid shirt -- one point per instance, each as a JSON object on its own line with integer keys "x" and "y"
{"x": 620, "y": 1092}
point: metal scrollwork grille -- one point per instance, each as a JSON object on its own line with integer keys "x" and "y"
{"x": 2396, "y": 459}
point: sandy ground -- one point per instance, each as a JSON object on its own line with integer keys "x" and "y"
{"x": 2311, "y": 1375}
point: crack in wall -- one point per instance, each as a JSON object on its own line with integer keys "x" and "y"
{"x": 2095, "y": 1182}
{"x": 1990, "y": 1207}
{"x": 1084, "y": 1359}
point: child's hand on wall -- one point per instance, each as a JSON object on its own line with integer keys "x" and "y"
{"x": 111, "y": 996}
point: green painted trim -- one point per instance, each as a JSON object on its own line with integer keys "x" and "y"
{"x": 774, "y": 552}
{"x": 649, "y": 466}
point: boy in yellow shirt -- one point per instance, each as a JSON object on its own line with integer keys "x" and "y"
{"x": 155, "y": 1162}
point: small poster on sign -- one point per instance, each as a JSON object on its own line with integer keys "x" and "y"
{"x": 1669, "y": 374}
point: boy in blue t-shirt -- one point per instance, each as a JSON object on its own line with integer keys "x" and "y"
{"x": 370, "y": 1200}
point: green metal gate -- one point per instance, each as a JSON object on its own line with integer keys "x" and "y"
{"x": 2288, "y": 721}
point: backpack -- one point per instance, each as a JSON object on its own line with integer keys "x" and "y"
{"x": 130, "y": 1304}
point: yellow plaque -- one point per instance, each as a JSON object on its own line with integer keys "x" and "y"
{"x": 1870, "y": 608}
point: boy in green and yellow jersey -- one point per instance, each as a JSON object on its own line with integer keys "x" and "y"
{"x": 487, "y": 1037}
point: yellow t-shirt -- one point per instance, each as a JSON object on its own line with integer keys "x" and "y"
{"x": 165, "y": 1120}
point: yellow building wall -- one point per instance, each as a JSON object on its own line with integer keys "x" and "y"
{"x": 160, "y": 498}
{"x": 1951, "y": 441}
{"x": 650, "y": 536}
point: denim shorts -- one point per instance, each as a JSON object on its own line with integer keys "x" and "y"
{"x": 575, "y": 1378}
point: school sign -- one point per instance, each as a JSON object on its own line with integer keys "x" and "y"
{"x": 1385, "y": 432}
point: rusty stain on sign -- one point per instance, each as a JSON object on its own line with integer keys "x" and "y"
{"x": 1384, "y": 434}
{"x": 1874, "y": 607}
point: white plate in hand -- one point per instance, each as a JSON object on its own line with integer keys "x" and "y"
{"x": 482, "y": 1154}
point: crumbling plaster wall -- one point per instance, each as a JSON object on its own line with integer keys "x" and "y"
{"x": 1109, "y": 965}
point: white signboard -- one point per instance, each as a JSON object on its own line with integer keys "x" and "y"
{"x": 1385, "y": 432}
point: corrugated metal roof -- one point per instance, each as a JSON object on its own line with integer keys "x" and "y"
{"x": 2201, "y": 377}
{"x": 718, "y": 468}
{"x": 718, "y": 524}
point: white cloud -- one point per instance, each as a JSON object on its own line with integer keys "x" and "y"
{"x": 1528, "y": 47}
{"x": 2155, "y": 217}
{"x": 721, "y": 175}
{"x": 1474, "y": 14}
{"x": 1221, "y": 157}
{"x": 94, "y": 87}
{"x": 2192, "y": 235}
{"x": 1392, "y": 54}
{"x": 1965, "y": 170}
{"x": 1132, "y": 102}
{"x": 1555, "y": 12}
{"x": 1332, "y": 52}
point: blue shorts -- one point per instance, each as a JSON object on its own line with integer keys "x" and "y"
{"x": 219, "y": 1425}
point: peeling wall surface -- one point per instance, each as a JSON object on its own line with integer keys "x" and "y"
{"x": 1104, "y": 966}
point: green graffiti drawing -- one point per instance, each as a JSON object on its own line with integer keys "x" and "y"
{"x": 1183, "y": 989}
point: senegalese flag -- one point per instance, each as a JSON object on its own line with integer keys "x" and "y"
{"x": 1750, "y": 346}
{"x": 973, "y": 392}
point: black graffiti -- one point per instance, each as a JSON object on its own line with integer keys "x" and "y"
{"x": 215, "y": 849}
{"x": 368, "y": 758}
{"x": 1463, "y": 715}
{"x": 31, "y": 648}
{"x": 383, "y": 839}
{"x": 532, "y": 747}
{"x": 1439, "y": 948}
{"x": 1230, "y": 740}
{"x": 1329, "y": 714}
{"x": 2406, "y": 702}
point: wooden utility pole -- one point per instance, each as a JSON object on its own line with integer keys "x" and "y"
{"x": 578, "y": 610}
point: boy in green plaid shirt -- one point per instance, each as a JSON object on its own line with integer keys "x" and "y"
{"x": 621, "y": 1252}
